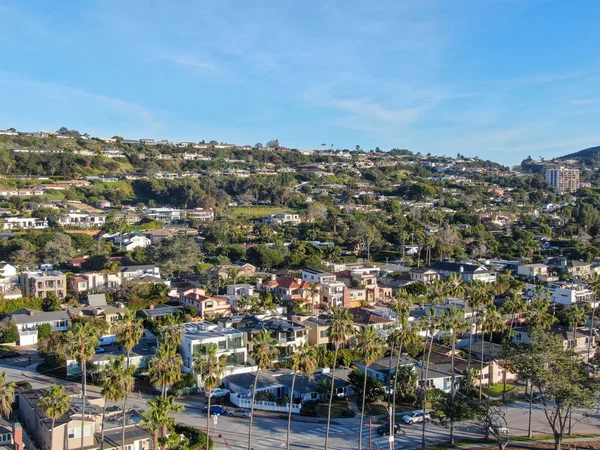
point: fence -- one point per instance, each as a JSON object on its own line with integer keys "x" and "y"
{"x": 245, "y": 402}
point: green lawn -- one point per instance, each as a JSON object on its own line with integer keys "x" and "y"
{"x": 258, "y": 212}
{"x": 496, "y": 389}
{"x": 339, "y": 408}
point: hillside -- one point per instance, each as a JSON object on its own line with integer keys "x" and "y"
{"x": 587, "y": 155}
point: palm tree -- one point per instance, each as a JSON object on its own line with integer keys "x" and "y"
{"x": 210, "y": 369}
{"x": 171, "y": 332}
{"x": 474, "y": 294}
{"x": 81, "y": 342}
{"x": 575, "y": 316}
{"x": 129, "y": 332}
{"x": 313, "y": 289}
{"x": 7, "y": 395}
{"x": 158, "y": 419}
{"x": 54, "y": 404}
{"x": 165, "y": 368}
{"x": 264, "y": 353}
{"x": 493, "y": 322}
{"x": 429, "y": 325}
{"x": 117, "y": 384}
{"x": 339, "y": 331}
{"x": 369, "y": 346}
{"x": 456, "y": 286}
{"x": 513, "y": 305}
{"x": 303, "y": 361}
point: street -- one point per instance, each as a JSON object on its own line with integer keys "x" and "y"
{"x": 269, "y": 432}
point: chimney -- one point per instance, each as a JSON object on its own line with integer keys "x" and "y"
{"x": 31, "y": 313}
{"x": 258, "y": 283}
{"x": 17, "y": 432}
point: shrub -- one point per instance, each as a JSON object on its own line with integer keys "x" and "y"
{"x": 194, "y": 439}
{"x": 44, "y": 331}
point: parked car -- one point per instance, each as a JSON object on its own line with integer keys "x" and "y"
{"x": 218, "y": 392}
{"x": 9, "y": 354}
{"x": 243, "y": 413}
{"x": 384, "y": 430}
{"x": 415, "y": 417}
{"x": 215, "y": 410}
{"x": 99, "y": 350}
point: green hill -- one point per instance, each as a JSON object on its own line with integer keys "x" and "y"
{"x": 587, "y": 155}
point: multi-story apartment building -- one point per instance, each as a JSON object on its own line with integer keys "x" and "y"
{"x": 563, "y": 179}
{"x": 565, "y": 292}
{"x": 40, "y": 284}
{"x": 67, "y": 431}
{"x": 198, "y": 335}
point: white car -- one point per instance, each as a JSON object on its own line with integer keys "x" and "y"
{"x": 415, "y": 417}
{"x": 218, "y": 392}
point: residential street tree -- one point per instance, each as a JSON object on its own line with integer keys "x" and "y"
{"x": 209, "y": 367}
{"x": 341, "y": 328}
{"x": 370, "y": 347}
{"x": 303, "y": 362}
{"x": 562, "y": 382}
{"x": 54, "y": 404}
{"x": 264, "y": 354}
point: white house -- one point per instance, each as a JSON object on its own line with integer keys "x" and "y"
{"x": 28, "y": 321}
{"x": 24, "y": 223}
{"x": 130, "y": 242}
{"x": 229, "y": 341}
{"x": 283, "y": 218}
{"x": 318, "y": 276}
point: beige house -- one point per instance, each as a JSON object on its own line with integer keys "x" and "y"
{"x": 68, "y": 430}
{"x": 111, "y": 314}
{"x": 424, "y": 274}
{"x": 317, "y": 331}
{"x": 578, "y": 340}
{"x": 40, "y": 284}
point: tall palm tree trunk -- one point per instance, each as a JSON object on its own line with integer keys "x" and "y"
{"x": 589, "y": 356}
{"x": 337, "y": 346}
{"x": 425, "y": 391}
{"x": 83, "y": 395}
{"x": 481, "y": 364}
{"x": 289, "y": 425}
{"x": 252, "y": 410}
{"x": 124, "y": 411}
{"x": 362, "y": 411}
{"x": 453, "y": 381}
{"x": 394, "y": 390}
{"x": 489, "y": 386}
{"x": 52, "y": 435}
{"x": 470, "y": 348}
{"x": 103, "y": 421}
{"x": 124, "y": 422}
{"x": 510, "y": 331}
{"x": 208, "y": 421}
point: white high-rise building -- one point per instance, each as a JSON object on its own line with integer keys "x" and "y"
{"x": 563, "y": 179}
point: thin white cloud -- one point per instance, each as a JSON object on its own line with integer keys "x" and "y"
{"x": 191, "y": 62}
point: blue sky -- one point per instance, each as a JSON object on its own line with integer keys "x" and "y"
{"x": 500, "y": 79}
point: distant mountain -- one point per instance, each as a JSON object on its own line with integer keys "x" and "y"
{"x": 587, "y": 155}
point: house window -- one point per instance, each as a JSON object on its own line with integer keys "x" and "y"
{"x": 323, "y": 334}
{"x": 209, "y": 304}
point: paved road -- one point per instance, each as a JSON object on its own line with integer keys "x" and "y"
{"x": 270, "y": 432}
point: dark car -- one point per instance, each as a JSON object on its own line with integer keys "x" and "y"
{"x": 9, "y": 354}
{"x": 384, "y": 429}
{"x": 215, "y": 410}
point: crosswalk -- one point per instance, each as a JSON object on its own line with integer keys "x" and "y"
{"x": 341, "y": 437}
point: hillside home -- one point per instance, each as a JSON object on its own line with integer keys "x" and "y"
{"x": 204, "y": 304}
{"x": 28, "y": 322}
{"x": 468, "y": 272}
{"x": 40, "y": 284}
